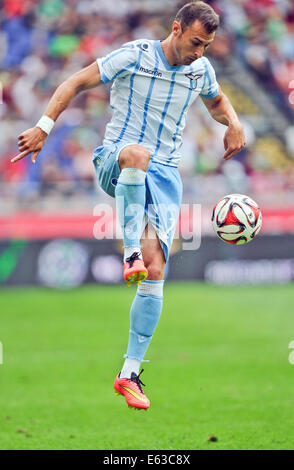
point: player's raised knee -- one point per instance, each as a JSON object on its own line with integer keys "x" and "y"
{"x": 134, "y": 156}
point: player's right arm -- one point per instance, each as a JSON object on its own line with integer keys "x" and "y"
{"x": 32, "y": 140}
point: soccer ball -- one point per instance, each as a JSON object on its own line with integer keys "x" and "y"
{"x": 236, "y": 219}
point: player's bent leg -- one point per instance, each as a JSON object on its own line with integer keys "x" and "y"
{"x": 134, "y": 156}
{"x": 130, "y": 194}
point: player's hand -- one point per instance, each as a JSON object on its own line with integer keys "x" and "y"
{"x": 30, "y": 141}
{"x": 234, "y": 140}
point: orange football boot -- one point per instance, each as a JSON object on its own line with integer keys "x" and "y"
{"x": 132, "y": 391}
{"x": 134, "y": 270}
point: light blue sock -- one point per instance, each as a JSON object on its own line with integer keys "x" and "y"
{"x": 130, "y": 195}
{"x": 144, "y": 316}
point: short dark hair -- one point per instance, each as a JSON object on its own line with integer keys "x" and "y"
{"x": 198, "y": 11}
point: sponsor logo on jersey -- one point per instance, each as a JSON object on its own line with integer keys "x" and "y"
{"x": 193, "y": 79}
{"x": 143, "y": 46}
{"x": 151, "y": 72}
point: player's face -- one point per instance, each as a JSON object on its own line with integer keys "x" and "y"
{"x": 190, "y": 44}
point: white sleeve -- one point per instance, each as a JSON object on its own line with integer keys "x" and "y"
{"x": 117, "y": 62}
{"x": 210, "y": 85}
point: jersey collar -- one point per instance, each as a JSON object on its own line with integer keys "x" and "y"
{"x": 164, "y": 59}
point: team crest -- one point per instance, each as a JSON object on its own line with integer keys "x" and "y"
{"x": 193, "y": 79}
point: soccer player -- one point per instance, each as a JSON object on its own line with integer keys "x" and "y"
{"x": 154, "y": 83}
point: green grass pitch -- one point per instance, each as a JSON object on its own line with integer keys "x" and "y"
{"x": 218, "y": 365}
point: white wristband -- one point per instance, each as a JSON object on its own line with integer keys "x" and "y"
{"x": 46, "y": 124}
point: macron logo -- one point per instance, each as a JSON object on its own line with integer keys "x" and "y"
{"x": 151, "y": 72}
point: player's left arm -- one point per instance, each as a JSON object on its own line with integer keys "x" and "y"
{"x": 222, "y": 111}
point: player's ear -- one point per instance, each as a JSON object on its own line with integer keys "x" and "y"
{"x": 177, "y": 28}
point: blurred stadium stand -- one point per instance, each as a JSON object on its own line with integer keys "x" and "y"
{"x": 44, "y": 42}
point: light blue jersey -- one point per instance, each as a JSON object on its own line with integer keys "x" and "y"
{"x": 150, "y": 98}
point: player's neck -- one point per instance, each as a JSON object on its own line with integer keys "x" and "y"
{"x": 169, "y": 52}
